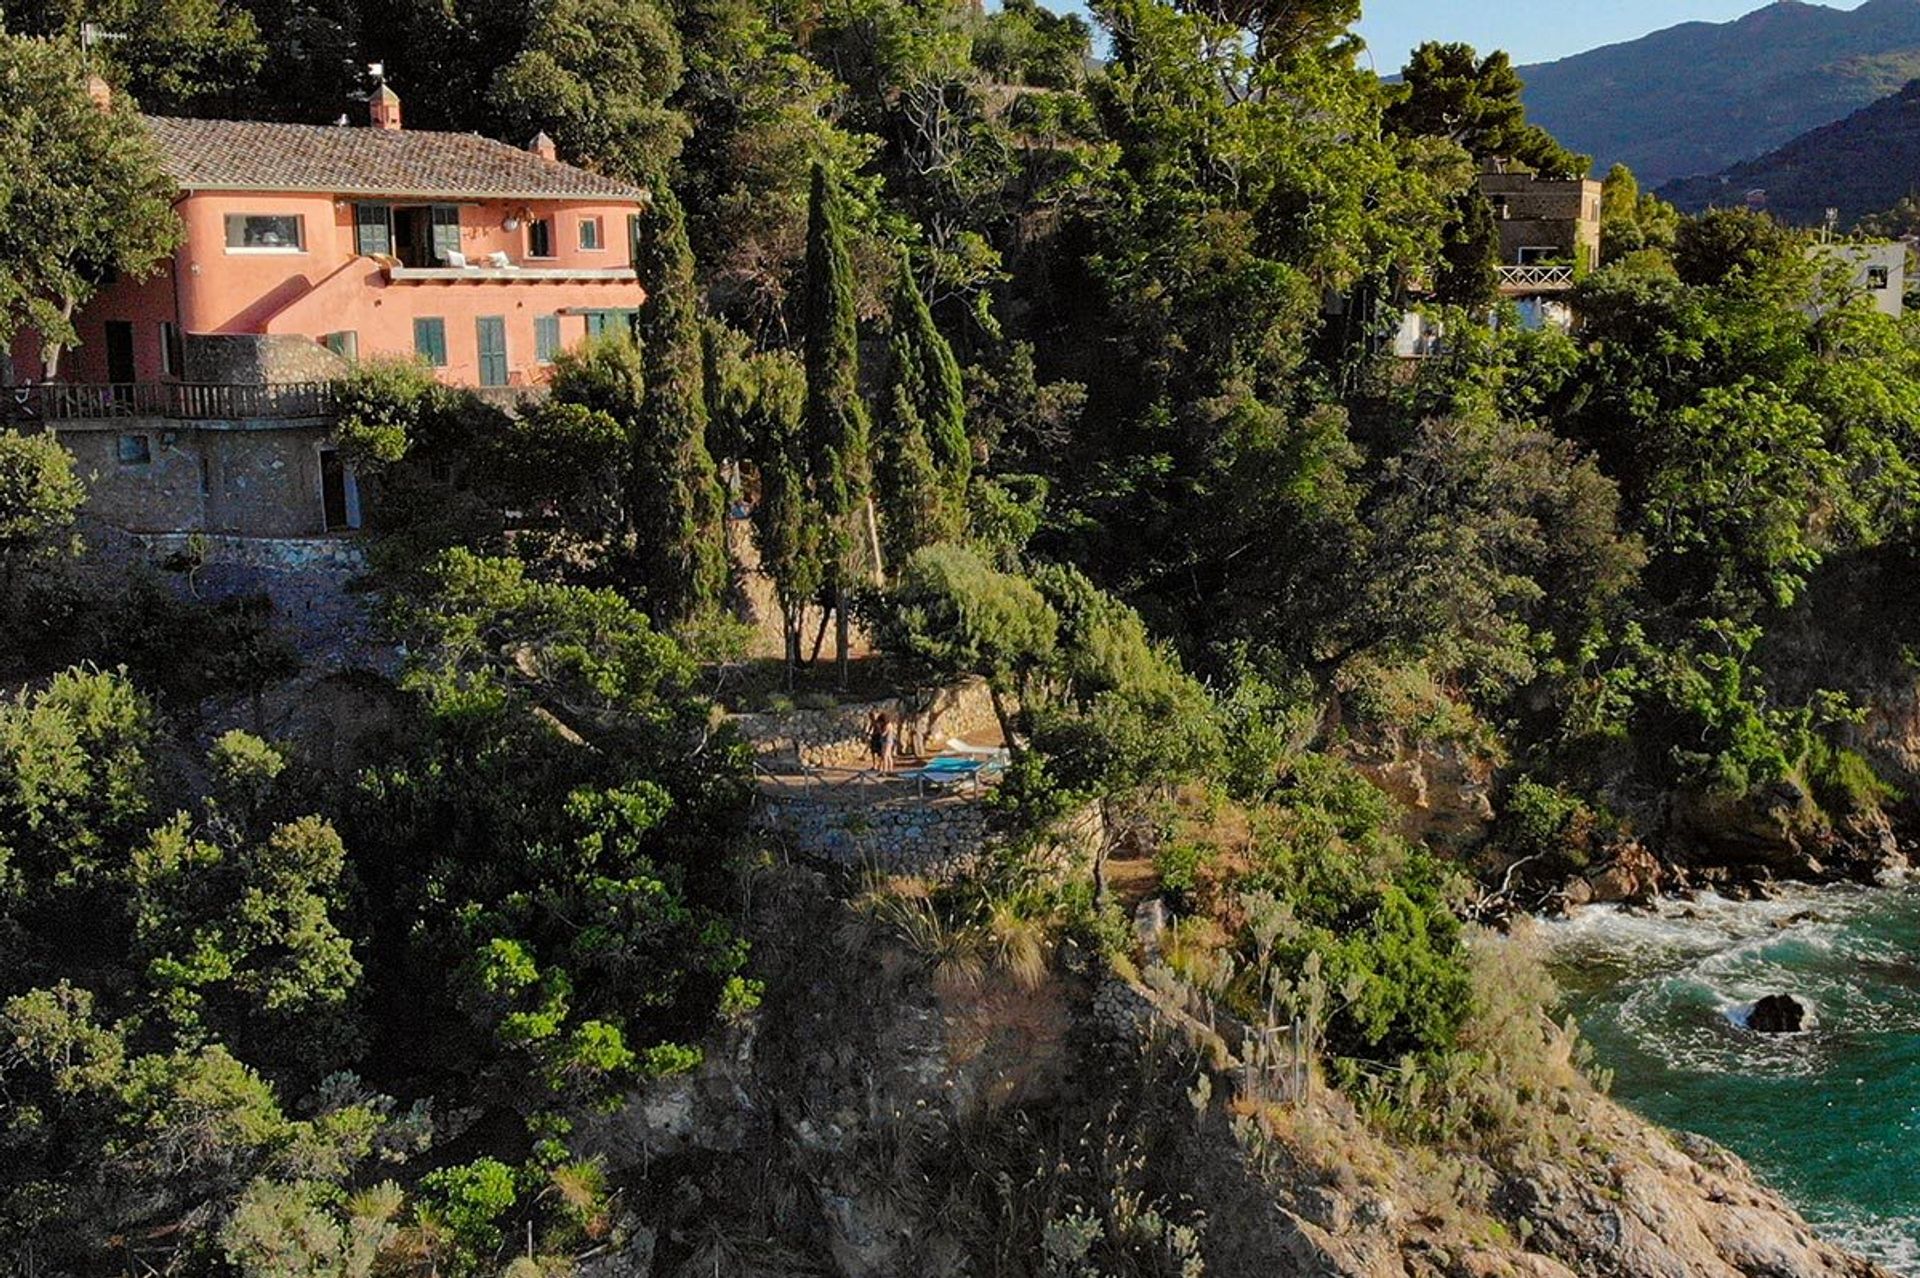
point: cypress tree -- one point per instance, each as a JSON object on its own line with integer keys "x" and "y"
{"x": 922, "y": 457}
{"x": 786, "y": 522}
{"x": 678, "y": 507}
{"x": 1469, "y": 274}
{"x": 836, "y": 418}
{"x": 913, "y": 507}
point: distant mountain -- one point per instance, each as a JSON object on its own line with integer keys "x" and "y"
{"x": 1862, "y": 164}
{"x": 1700, "y": 96}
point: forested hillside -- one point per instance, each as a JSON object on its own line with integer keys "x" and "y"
{"x": 1070, "y": 378}
{"x": 1697, "y": 97}
{"x": 1861, "y": 165}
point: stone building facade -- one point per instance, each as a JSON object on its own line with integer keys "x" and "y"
{"x": 1544, "y": 220}
{"x": 1549, "y": 231}
{"x": 154, "y": 475}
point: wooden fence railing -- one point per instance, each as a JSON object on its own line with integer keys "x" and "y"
{"x": 181, "y": 401}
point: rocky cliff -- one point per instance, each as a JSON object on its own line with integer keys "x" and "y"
{"x": 883, "y": 1115}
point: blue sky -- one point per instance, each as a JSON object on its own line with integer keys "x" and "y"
{"x": 1530, "y": 30}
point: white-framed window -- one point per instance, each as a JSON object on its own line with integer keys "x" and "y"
{"x": 540, "y": 237}
{"x": 266, "y": 233}
{"x": 591, "y": 238}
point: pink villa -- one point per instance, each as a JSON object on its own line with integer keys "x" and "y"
{"x": 197, "y": 398}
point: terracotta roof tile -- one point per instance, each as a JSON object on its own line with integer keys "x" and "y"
{"x": 245, "y": 155}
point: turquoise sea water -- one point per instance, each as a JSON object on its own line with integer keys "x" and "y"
{"x": 1830, "y": 1117}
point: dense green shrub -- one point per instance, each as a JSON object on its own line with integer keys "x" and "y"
{"x": 1179, "y": 864}
{"x": 1546, "y": 824}
{"x": 1844, "y": 784}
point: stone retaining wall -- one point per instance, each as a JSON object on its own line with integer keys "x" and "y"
{"x": 933, "y": 838}
{"x": 939, "y": 839}
{"x": 293, "y": 554}
{"x": 837, "y": 738}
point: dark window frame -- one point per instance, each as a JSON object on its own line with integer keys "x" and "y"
{"x": 142, "y": 452}
{"x": 540, "y": 237}
{"x": 173, "y": 350}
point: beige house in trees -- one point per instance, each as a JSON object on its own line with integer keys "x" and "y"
{"x": 1549, "y": 235}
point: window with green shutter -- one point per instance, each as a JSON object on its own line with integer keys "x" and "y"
{"x": 430, "y": 341}
{"x": 373, "y": 229}
{"x": 612, "y": 323}
{"x": 546, "y": 338}
{"x": 446, "y": 231}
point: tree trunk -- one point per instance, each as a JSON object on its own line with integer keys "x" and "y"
{"x": 873, "y": 543}
{"x": 1004, "y": 717}
{"x": 51, "y": 353}
{"x": 1100, "y": 848}
{"x": 842, "y": 638}
{"x": 792, "y": 619}
{"x": 820, "y": 635}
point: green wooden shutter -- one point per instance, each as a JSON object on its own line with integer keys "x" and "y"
{"x": 633, "y": 241}
{"x": 618, "y": 323}
{"x": 446, "y": 231}
{"x": 546, "y": 338}
{"x": 491, "y": 331}
{"x": 373, "y": 229}
{"x": 430, "y": 341}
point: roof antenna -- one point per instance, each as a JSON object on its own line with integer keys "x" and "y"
{"x": 92, "y": 34}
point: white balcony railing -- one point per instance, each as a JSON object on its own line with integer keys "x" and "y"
{"x": 512, "y": 273}
{"x": 1535, "y": 279}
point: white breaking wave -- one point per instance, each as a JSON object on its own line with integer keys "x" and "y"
{"x": 1665, "y": 995}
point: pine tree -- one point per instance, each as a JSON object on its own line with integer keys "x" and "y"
{"x": 922, "y": 455}
{"x": 836, "y": 418}
{"x": 678, "y": 507}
